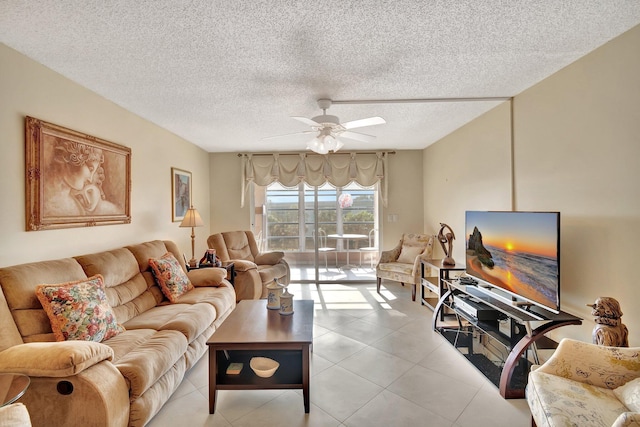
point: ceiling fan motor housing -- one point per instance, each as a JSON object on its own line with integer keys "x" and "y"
{"x": 327, "y": 120}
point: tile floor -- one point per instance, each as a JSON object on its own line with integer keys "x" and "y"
{"x": 375, "y": 362}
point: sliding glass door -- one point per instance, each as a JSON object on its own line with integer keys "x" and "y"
{"x": 328, "y": 234}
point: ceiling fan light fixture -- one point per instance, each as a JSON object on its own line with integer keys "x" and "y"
{"x": 317, "y": 145}
{"x": 329, "y": 128}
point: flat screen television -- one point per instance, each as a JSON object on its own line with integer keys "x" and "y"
{"x": 517, "y": 252}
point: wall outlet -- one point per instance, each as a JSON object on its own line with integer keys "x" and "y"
{"x": 392, "y": 218}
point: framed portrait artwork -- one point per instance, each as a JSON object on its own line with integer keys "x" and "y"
{"x": 180, "y": 193}
{"x": 74, "y": 179}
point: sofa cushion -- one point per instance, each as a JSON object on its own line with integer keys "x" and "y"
{"x": 222, "y": 298}
{"x": 57, "y": 360}
{"x": 144, "y": 364}
{"x": 19, "y": 284}
{"x": 127, "y": 289}
{"x": 79, "y": 310}
{"x": 629, "y": 394}
{"x": 396, "y": 268}
{"x": 561, "y": 401}
{"x": 238, "y": 246}
{"x": 128, "y": 340}
{"x": 192, "y": 321}
{"x": 408, "y": 254}
{"x": 170, "y": 276}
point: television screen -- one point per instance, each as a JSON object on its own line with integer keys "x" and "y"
{"x": 518, "y": 252}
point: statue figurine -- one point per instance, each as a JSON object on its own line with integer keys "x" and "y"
{"x": 609, "y": 329}
{"x": 448, "y": 240}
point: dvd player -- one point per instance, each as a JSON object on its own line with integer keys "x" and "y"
{"x": 475, "y": 309}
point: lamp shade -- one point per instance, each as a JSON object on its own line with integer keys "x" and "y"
{"x": 191, "y": 218}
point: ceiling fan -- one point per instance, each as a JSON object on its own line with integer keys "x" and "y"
{"x": 329, "y": 130}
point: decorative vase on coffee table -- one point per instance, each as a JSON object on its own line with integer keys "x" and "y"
{"x": 286, "y": 303}
{"x": 273, "y": 296}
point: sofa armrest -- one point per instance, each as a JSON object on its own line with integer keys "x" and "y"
{"x": 269, "y": 258}
{"x": 53, "y": 359}
{"x": 607, "y": 367}
{"x": 247, "y": 282}
{"x": 212, "y": 277}
{"x": 390, "y": 255}
{"x": 242, "y": 265}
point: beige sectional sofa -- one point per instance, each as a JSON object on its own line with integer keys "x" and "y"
{"x": 125, "y": 379}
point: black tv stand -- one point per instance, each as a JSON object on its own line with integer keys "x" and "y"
{"x": 500, "y": 348}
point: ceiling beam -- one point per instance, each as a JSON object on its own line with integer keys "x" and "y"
{"x": 422, "y": 100}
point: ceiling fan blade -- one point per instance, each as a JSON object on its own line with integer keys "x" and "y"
{"x": 306, "y": 121}
{"x": 357, "y": 136}
{"x": 288, "y": 134}
{"x": 363, "y": 122}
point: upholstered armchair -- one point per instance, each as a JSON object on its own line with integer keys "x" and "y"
{"x": 587, "y": 385}
{"x": 402, "y": 263}
{"x": 254, "y": 270}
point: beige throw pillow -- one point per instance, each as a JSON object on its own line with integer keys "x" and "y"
{"x": 408, "y": 254}
{"x": 629, "y": 394}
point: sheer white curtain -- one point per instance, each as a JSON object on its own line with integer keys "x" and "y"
{"x": 338, "y": 169}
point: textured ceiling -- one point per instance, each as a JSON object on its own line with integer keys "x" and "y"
{"x": 224, "y": 74}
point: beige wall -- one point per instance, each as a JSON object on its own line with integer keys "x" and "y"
{"x": 226, "y": 188}
{"x": 468, "y": 170}
{"x": 28, "y": 88}
{"x": 405, "y": 195}
{"x": 577, "y": 151}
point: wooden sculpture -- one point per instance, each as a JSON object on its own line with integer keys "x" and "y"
{"x": 609, "y": 329}
{"x": 446, "y": 238}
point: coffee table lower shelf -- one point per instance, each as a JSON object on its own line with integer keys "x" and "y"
{"x": 293, "y": 372}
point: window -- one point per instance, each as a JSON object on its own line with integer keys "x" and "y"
{"x": 286, "y": 220}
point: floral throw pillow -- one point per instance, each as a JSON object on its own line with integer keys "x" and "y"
{"x": 170, "y": 276}
{"x": 79, "y": 310}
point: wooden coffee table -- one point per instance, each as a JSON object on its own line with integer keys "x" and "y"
{"x": 253, "y": 330}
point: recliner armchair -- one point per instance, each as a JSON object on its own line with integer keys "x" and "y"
{"x": 402, "y": 263}
{"x": 254, "y": 270}
{"x": 587, "y": 385}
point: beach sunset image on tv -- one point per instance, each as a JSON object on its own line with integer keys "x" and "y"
{"x": 516, "y": 251}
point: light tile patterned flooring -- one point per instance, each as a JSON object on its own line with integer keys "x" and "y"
{"x": 375, "y": 362}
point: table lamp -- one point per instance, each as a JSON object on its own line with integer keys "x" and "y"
{"x": 192, "y": 219}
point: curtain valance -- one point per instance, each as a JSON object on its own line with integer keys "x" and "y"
{"x": 339, "y": 170}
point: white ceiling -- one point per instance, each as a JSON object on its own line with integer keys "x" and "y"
{"x": 224, "y": 74}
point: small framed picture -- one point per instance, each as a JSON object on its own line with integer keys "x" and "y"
{"x": 180, "y": 193}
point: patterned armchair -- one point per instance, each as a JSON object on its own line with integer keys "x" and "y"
{"x": 402, "y": 263}
{"x": 586, "y": 385}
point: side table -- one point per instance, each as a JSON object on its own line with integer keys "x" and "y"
{"x": 12, "y": 387}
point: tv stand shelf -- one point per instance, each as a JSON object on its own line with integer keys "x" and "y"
{"x": 499, "y": 344}
{"x": 432, "y": 280}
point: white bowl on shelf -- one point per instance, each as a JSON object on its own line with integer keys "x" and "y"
{"x": 263, "y": 366}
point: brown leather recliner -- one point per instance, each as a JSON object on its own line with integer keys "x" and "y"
{"x": 254, "y": 270}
